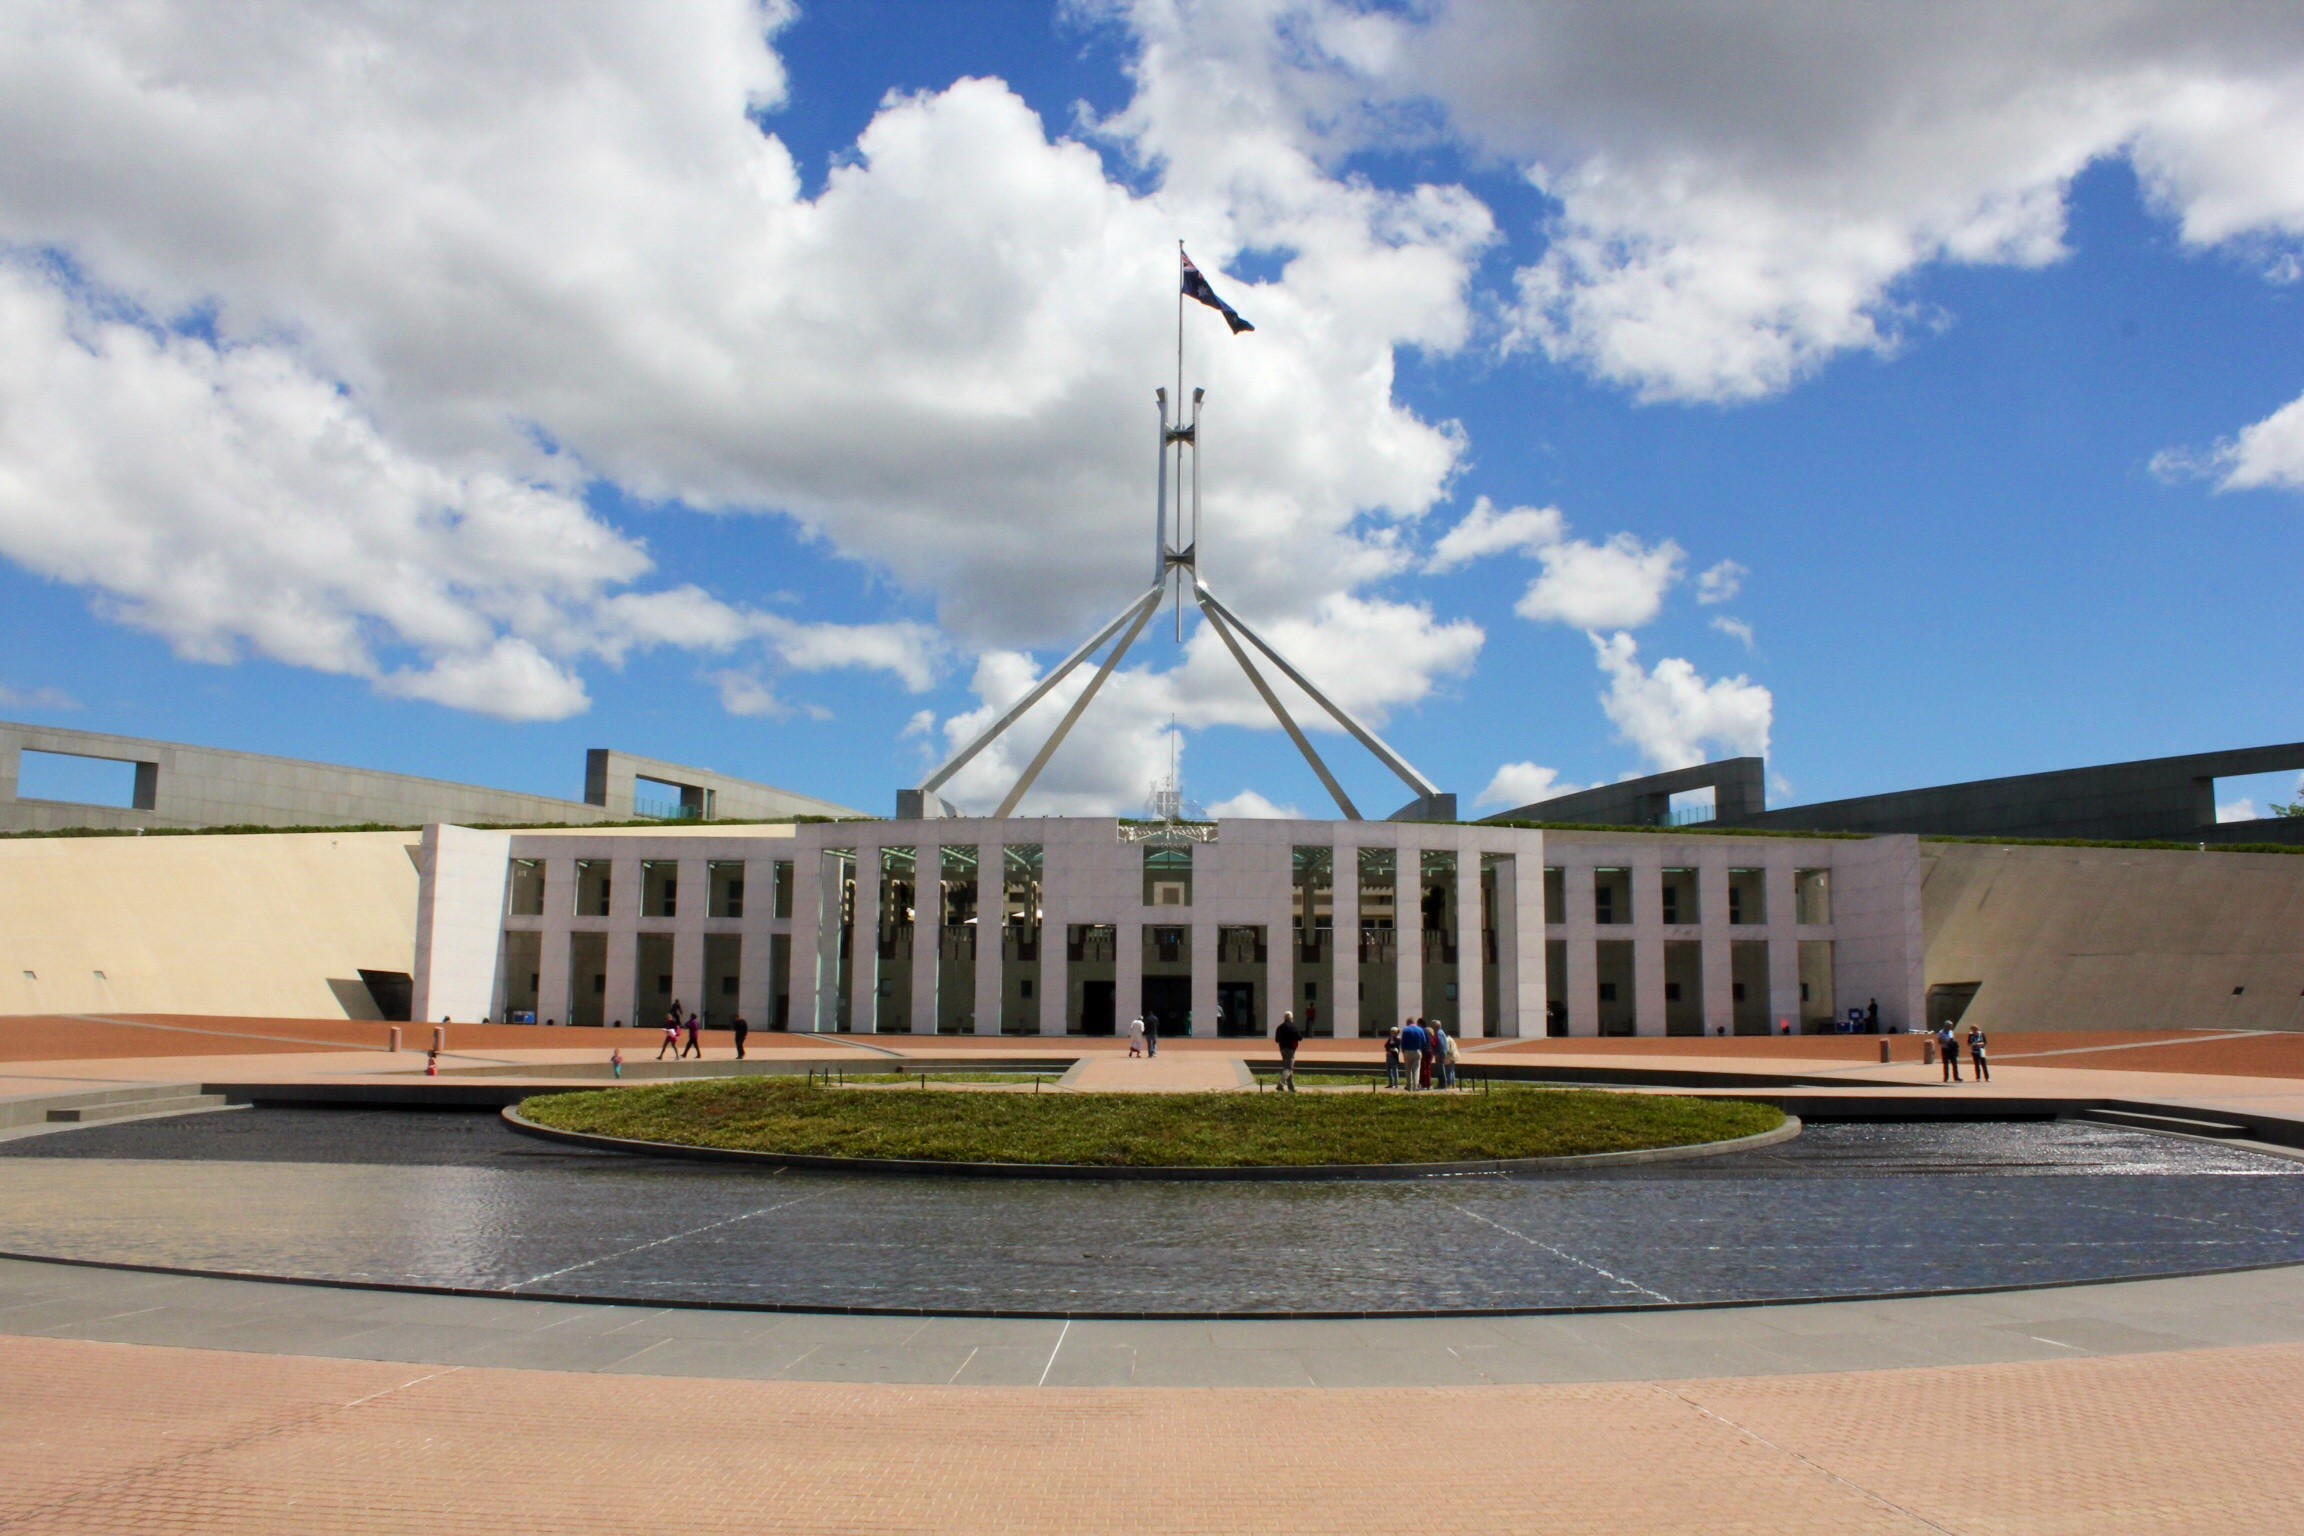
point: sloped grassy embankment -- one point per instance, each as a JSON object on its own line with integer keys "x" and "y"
{"x": 1195, "y": 1130}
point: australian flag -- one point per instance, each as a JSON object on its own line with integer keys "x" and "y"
{"x": 1196, "y": 287}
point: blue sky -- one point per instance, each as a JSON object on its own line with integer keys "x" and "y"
{"x": 1981, "y": 403}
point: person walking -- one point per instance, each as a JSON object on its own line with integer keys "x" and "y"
{"x": 1136, "y": 1037}
{"x": 616, "y": 1062}
{"x": 1151, "y": 1035}
{"x": 1412, "y": 1053}
{"x": 1287, "y": 1037}
{"x": 1976, "y": 1054}
{"x": 695, "y": 1045}
{"x": 743, "y": 1032}
{"x": 1948, "y": 1047}
{"x": 1392, "y": 1057}
{"x": 671, "y": 1039}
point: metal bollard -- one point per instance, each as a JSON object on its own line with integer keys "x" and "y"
{"x": 1928, "y": 1052}
{"x": 439, "y": 1037}
{"x": 1886, "y": 1055}
{"x": 395, "y": 1046}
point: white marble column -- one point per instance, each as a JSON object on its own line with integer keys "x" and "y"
{"x": 991, "y": 929}
{"x": 927, "y": 933}
{"x": 1471, "y": 947}
{"x": 1344, "y": 968}
{"x": 1203, "y": 978}
{"x": 1127, "y": 972}
{"x": 864, "y": 946}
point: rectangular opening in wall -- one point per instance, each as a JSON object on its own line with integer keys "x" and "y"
{"x": 723, "y": 972}
{"x": 1948, "y": 1000}
{"x": 592, "y": 887}
{"x": 588, "y": 979}
{"x": 2249, "y": 796}
{"x": 652, "y": 998}
{"x": 523, "y": 959}
{"x": 1690, "y": 806}
{"x": 1090, "y": 950}
{"x": 1748, "y": 986}
{"x": 956, "y": 941}
{"x": 1556, "y": 987}
{"x": 899, "y": 895}
{"x": 1748, "y": 898}
{"x": 1612, "y": 964}
{"x": 780, "y": 981}
{"x": 1555, "y": 895}
{"x": 783, "y": 907}
{"x": 527, "y": 888}
{"x": 1378, "y": 982}
{"x": 1168, "y": 876}
{"x": 1683, "y": 988}
{"x": 1241, "y": 998}
{"x": 662, "y": 800}
{"x": 78, "y": 780}
{"x": 1313, "y": 936}
{"x": 394, "y": 993}
{"x": 1020, "y": 916}
{"x": 1818, "y": 1008}
{"x": 1812, "y": 896}
{"x": 1611, "y": 896}
{"x": 1681, "y": 905}
{"x": 659, "y": 888}
{"x": 724, "y": 888}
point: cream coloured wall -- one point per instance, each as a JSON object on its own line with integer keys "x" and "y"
{"x": 2117, "y": 938}
{"x": 264, "y": 924}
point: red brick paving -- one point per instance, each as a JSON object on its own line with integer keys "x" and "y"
{"x": 121, "y": 1438}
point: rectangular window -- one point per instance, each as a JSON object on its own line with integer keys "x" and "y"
{"x": 1611, "y": 896}
{"x": 1555, "y": 895}
{"x": 784, "y": 884}
{"x": 1748, "y": 898}
{"x": 1168, "y": 876}
{"x": 659, "y": 888}
{"x": 527, "y": 894}
{"x": 591, "y": 887}
{"x": 1681, "y": 904}
{"x": 1812, "y": 896}
{"x": 724, "y": 888}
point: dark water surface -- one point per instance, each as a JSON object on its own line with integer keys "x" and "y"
{"x": 441, "y": 1199}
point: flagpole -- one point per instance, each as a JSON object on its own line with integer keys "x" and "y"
{"x": 1179, "y": 523}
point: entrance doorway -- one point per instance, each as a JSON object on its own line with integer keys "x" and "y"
{"x": 1236, "y": 1008}
{"x": 1096, "y": 1007}
{"x": 1169, "y": 999}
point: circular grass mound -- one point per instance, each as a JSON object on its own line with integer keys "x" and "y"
{"x": 781, "y": 1117}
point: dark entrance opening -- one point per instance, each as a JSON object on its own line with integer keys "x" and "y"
{"x": 1096, "y": 1007}
{"x": 1236, "y": 1008}
{"x": 394, "y": 992}
{"x": 1169, "y": 999}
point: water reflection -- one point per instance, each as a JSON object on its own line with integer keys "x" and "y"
{"x": 1845, "y": 1210}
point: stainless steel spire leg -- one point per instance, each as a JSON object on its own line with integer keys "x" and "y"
{"x": 960, "y": 759}
{"x": 1287, "y": 721}
{"x": 1146, "y": 606}
{"x": 1425, "y": 789}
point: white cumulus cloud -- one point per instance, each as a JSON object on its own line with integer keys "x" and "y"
{"x": 1517, "y": 784}
{"x": 1616, "y": 585}
{"x": 1721, "y": 583}
{"x": 1485, "y": 531}
{"x": 1672, "y": 714}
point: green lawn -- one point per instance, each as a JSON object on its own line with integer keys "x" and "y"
{"x": 1200, "y": 1130}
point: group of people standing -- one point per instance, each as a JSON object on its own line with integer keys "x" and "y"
{"x": 1948, "y": 1052}
{"x": 693, "y": 1029}
{"x": 1420, "y": 1054}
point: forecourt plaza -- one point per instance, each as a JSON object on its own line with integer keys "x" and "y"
{"x": 143, "y": 1400}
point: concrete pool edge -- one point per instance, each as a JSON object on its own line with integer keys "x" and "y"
{"x": 1508, "y": 1167}
{"x": 247, "y": 1315}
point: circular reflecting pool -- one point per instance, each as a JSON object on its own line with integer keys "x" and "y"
{"x": 457, "y": 1200}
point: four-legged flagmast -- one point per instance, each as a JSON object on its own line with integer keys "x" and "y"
{"x": 1177, "y": 558}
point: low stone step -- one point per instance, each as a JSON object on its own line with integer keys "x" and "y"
{"x": 35, "y": 1109}
{"x": 2147, "y": 1120}
{"x": 129, "y": 1109}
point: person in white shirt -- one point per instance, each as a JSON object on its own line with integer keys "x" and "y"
{"x": 1135, "y": 1037}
